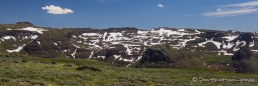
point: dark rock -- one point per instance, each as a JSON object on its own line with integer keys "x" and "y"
{"x": 67, "y": 65}
{"x": 24, "y": 61}
{"x": 43, "y": 62}
{"x": 53, "y": 62}
{"x": 88, "y": 68}
{"x": 14, "y": 61}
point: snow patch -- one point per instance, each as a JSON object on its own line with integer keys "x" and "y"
{"x": 254, "y": 50}
{"x": 9, "y": 37}
{"x": 117, "y": 56}
{"x": 76, "y": 46}
{"x": 127, "y": 60}
{"x": 127, "y": 49}
{"x": 34, "y": 37}
{"x": 227, "y": 46}
{"x": 211, "y": 40}
{"x": 39, "y": 30}
{"x": 103, "y": 57}
{"x": 181, "y": 30}
{"x": 139, "y": 57}
{"x": 114, "y": 36}
{"x": 230, "y": 38}
{"x": 251, "y": 44}
{"x": 16, "y": 50}
{"x": 237, "y": 43}
{"x": 142, "y": 32}
{"x": 91, "y": 54}
{"x": 198, "y": 32}
{"x": 73, "y": 54}
{"x": 64, "y": 50}
{"x": 9, "y": 29}
{"x": 104, "y": 36}
{"x": 128, "y": 65}
{"x": 74, "y": 36}
{"x": 90, "y": 34}
{"x": 114, "y": 43}
{"x": 55, "y": 43}
{"x": 38, "y": 42}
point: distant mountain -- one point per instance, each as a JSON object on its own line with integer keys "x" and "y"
{"x": 129, "y": 46}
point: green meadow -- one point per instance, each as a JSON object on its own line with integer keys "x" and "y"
{"x": 32, "y": 71}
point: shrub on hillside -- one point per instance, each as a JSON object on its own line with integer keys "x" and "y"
{"x": 243, "y": 67}
{"x": 242, "y": 53}
{"x": 240, "y": 60}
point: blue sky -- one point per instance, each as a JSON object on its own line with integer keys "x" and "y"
{"x": 143, "y": 14}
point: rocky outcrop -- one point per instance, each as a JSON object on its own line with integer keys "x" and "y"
{"x": 154, "y": 58}
{"x": 247, "y": 37}
{"x": 88, "y": 68}
{"x": 216, "y": 36}
{"x": 45, "y": 49}
{"x": 25, "y": 23}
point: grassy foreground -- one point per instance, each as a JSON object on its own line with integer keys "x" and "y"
{"x": 62, "y": 71}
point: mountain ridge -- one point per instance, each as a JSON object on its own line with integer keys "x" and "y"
{"x": 128, "y": 46}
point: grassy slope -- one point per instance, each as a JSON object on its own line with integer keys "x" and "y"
{"x": 40, "y": 71}
{"x": 254, "y": 62}
{"x": 196, "y": 58}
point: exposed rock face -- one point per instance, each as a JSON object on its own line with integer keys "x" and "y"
{"x": 213, "y": 35}
{"x": 154, "y": 58}
{"x": 45, "y": 49}
{"x": 247, "y": 37}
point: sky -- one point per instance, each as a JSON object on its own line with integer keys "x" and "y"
{"x": 225, "y": 15}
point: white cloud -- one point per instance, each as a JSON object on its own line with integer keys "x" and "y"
{"x": 102, "y": 1}
{"x": 234, "y": 12}
{"x": 245, "y": 4}
{"x": 218, "y": 9}
{"x": 234, "y": 9}
{"x": 160, "y": 5}
{"x": 56, "y": 10}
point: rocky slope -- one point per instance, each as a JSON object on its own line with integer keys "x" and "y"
{"x": 130, "y": 47}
